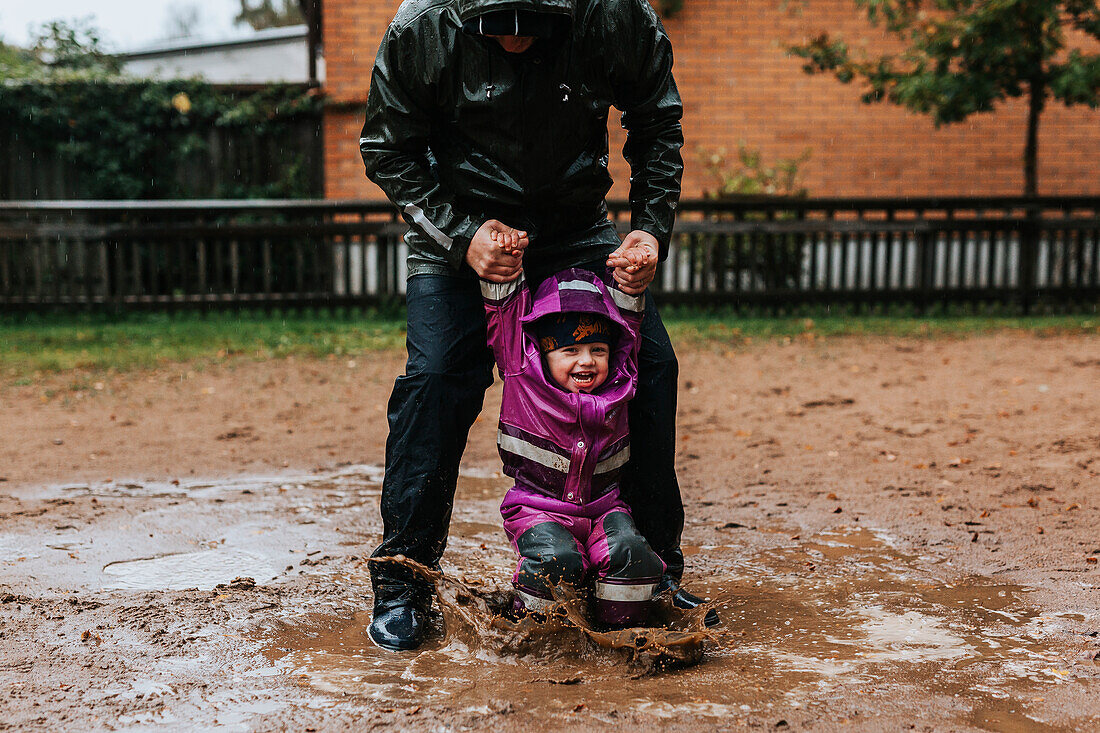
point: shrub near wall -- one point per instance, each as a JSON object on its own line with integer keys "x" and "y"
{"x": 143, "y": 139}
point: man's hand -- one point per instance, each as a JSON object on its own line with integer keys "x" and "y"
{"x": 635, "y": 262}
{"x": 496, "y": 252}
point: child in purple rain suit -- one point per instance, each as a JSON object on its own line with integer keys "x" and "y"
{"x": 568, "y": 358}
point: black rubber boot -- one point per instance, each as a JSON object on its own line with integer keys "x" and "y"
{"x": 400, "y": 617}
{"x": 685, "y": 600}
{"x": 400, "y": 627}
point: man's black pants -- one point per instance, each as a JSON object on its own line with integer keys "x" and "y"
{"x": 440, "y": 395}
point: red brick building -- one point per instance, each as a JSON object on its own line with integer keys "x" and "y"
{"x": 738, "y": 83}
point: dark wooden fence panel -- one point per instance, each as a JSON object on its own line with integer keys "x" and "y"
{"x": 773, "y": 253}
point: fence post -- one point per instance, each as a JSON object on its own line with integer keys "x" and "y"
{"x": 925, "y": 269}
{"x": 1029, "y": 250}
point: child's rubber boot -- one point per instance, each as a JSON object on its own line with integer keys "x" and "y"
{"x": 623, "y": 603}
{"x": 528, "y": 603}
{"x": 687, "y": 601}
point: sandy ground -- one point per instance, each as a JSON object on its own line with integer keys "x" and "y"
{"x": 902, "y": 533}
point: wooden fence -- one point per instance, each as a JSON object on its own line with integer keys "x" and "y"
{"x": 1015, "y": 253}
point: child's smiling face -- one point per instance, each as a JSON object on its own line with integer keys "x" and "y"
{"x": 579, "y": 367}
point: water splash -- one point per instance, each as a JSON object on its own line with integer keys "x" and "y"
{"x": 480, "y": 619}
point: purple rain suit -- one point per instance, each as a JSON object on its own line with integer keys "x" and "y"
{"x": 565, "y": 451}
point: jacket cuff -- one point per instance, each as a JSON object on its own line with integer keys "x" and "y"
{"x": 460, "y": 243}
{"x": 645, "y": 222}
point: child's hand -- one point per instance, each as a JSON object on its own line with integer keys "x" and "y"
{"x": 638, "y": 256}
{"x": 512, "y": 241}
{"x": 496, "y": 251}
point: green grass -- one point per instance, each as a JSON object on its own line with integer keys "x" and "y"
{"x": 142, "y": 341}
{"x": 699, "y": 329}
{"x": 60, "y": 343}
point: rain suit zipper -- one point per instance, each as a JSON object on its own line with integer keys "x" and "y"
{"x": 578, "y": 486}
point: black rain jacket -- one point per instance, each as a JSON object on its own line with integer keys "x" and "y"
{"x": 459, "y": 131}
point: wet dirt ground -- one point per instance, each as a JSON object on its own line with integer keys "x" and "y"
{"x": 896, "y": 534}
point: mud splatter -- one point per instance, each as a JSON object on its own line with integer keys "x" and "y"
{"x": 480, "y": 619}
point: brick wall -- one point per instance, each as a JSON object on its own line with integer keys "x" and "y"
{"x": 738, "y": 84}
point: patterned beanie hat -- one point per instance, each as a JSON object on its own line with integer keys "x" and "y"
{"x": 567, "y": 329}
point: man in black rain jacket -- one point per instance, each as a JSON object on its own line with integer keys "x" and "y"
{"x": 487, "y": 123}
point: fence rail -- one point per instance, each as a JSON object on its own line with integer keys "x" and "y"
{"x": 779, "y": 253}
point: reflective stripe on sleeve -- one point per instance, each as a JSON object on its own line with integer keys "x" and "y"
{"x": 635, "y": 303}
{"x": 499, "y": 291}
{"x": 433, "y": 231}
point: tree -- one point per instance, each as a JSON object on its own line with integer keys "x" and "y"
{"x": 75, "y": 46}
{"x": 183, "y": 21}
{"x": 15, "y": 62}
{"x": 962, "y": 57}
{"x": 261, "y": 14}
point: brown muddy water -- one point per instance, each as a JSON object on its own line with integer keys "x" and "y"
{"x": 845, "y": 625}
{"x": 788, "y": 632}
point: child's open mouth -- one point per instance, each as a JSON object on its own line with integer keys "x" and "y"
{"x": 583, "y": 379}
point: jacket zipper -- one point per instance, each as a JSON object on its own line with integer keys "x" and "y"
{"x": 578, "y": 487}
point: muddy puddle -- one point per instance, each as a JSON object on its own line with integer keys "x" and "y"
{"x": 834, "y": 614}
{"x": 840, "y": 626}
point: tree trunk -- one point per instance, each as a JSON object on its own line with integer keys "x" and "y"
{"x": 1036, "y": 99}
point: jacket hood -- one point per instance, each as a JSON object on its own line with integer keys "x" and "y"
{"x": 468, "y": 9}
{"x": 573, "y": 291}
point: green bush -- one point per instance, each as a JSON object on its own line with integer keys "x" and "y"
{"x": 127, "y": 138}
